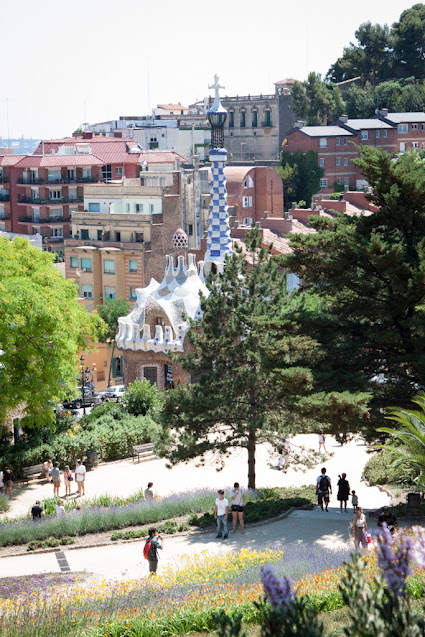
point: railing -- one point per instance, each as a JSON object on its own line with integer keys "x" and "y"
{"x": 53, "y": 239}
{"x": 4, "y": 180}
{"x": 4, "y": 197}
{"x": 4, "y": 217}
{"x": 250, "y": 98}
{"x": 49, "y": 202}
{"x": 53, "y": 182}
{"x": 129, "y": 245}
{"x": 42, "y": 220}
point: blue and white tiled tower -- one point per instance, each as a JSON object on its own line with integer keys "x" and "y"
{"x": 219, "y": 243}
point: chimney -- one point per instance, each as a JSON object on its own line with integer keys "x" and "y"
{"x": 293, "y": 205}
{"x": 266, "y": 214}
{"x": 299, "y": 124}
{"x": 343, "y": 118}
{"x": 346, "y": 188}
{"x": 258, "y": 224}
{"x": 87, "y": 134}
{"x": 383, "y": 112}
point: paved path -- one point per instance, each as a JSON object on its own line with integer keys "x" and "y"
{"x": 125, "y": 477}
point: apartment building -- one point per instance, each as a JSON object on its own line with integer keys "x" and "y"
{"x": 7, "y": 190}
{"x": 336, "y": 145}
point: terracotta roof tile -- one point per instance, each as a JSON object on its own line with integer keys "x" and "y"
{"x": 10, "y": 160}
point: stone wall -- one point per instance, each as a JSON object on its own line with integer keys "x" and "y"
{"x": 135, "y": 362}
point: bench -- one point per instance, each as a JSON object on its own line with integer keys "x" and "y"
{"x": 143, "y": 450}
{"x": 31, "y": 472}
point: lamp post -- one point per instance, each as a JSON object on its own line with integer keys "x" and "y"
{"x": 85, "y": 378}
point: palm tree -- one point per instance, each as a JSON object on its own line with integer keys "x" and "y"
{"x": 408, "y": 442}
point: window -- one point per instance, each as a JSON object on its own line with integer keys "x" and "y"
{"x": 138, "y": 207}
{"x": 150, "y": 373}
{"x": 133, "y": 294}
{"x": 117, "y": 235}
{"x": 94, "y": 207}
{"x": 36, "y": 214}
{"x": 151, "y": 208}
{"x": 138, "y": 237}
{"x": 117, "y": 366}
{"x": 87, "y": 291}
{"x": 247, "y": 221}
{"x": 99, "y": 235}
{"x": 36, "y": 230}
{"x": 385, "y": 133}
{"x": 108, "y": 266}
{"x": 160, "y": 320}
{"x": 246, "y": 202}
{"x": 254, "y": 119}
{"x": 323, "y": 142}
{"x": 107, "y": 172}
{"x": 415, "y": 144}
{"x": 345, "y": 141}
{"x": 86, "y": 173}
{"x": 321, "y": 162}
{"x": 55, "y": 194}
{"x": 338, "y": 181}
{"x": 345, "y": 162}
{"x": 377, "y": 134}
{"x": 56, "y": 232}
{"x": 54, "y": 175}
{"x": 231, "y": 119}
{"x": 243, "y": 119}
{"x": 338, "y": 141}
{"x": 248, "y": 183}
{"x": 268, "y": 119}
{"x": 132, "y": 265}
{"x": 86, "y": 264}
{"x": 127, "y": 207}
{"x": 85, "y": 234}
{"x": 323, "y": 183}
{"x": 56, "y": 213}
{"x": 71, "y": 173}
{"x": 346, "y": 182}
{"x": 109, "y": 292}
{"x": 338, "y": 161}
{"x": 365, "y": 135}
{"x": 190, "y": 229}
{"x": 402, "y": 128}
{"x": 118, "y": 171}
{"x": 73, "y": 262}
{"x": 415, "y": 126}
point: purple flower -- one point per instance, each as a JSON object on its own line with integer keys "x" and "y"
{"x": 278, "y": 592}
{"x": 395, "y": 559}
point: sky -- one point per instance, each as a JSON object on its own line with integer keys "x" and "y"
{"x": 65, "y": 63}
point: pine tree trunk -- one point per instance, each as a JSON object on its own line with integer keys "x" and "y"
{"x": 251, "y": 459}
{"x": 110, "y": 364}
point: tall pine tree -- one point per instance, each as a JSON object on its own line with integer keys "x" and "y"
{"x": 250, "y": 364}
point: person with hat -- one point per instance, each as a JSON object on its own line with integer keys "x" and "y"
{"x": 389, "y": 519}
{"x": 37, "y": 511}
{"x": 221, "y": 513}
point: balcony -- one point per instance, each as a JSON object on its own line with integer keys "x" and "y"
{"x": 42, "y": 220}
{"x": 36, "y": 201}
{"x": 125, "y": 245}
{"x": 24, "y": 181}
{"x": 4, "y": 217}
{"x": 4, "y": 180}
{"x": 5, "y": 197}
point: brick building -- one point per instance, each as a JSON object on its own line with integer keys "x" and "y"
{"x": 336, "y": 145}
{"x": 7, "y": 190}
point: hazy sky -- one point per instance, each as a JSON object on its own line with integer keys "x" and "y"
{"x": 64, "y": 63}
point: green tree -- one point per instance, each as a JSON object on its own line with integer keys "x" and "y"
{"x": 317, "y": 102}
{"x": 371, "y": 58}
{"x": 301, "y": 174}
{"x": 142, "y": 398}
{"x": 369, "y": 272}
{"x": 42, "y": 327}
{"x": 250, "y": 364}
{"x": 110, "y": 312}
{"x": 361, "y": 102}
{"x": 407, "y": 442}
{"x": 409, "y": 41}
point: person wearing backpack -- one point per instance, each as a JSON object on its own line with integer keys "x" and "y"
{"x": 323, "y": 489}
{"x": 150, "y": 550}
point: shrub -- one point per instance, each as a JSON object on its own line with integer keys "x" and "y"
{"x": 378, "y": 469}
{"x": 4, "y": 504}
{"x": 142, "y": 398}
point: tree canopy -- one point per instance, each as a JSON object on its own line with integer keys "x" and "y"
{"x": 409, "y": 41}
{"x": 301, "y": 174}
{"x": 42, "y": 327}
{"x": 110, "y": 312}
{"x": 251, "y": 366}
{"x": 369, "y": 274}
{"x": 398, "y": 96}
{"x": 317, "y": 102}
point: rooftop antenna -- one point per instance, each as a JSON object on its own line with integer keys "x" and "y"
{"x": 149, "y": 91}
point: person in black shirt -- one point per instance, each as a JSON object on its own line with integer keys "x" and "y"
{"x": 389, "y": 518}
{"x": 37, "y": 511}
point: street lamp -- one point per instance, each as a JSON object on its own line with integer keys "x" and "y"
{"x": 85, "y": 379}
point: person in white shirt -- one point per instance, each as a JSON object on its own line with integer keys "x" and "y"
{"x": 323, "y": 489}
{"x": 80, "y": 477}
{"x": 60, "y": 510}
{"x": 221, "y": 512}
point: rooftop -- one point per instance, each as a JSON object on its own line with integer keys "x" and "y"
{"x": 360, "y": 124}
{"x": 402, "y": 118}
{"x": 325, "y": 131}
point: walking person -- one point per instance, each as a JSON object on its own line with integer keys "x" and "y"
{"x": 323, "y": 489}
{"x": 8, "y": 481}
{"x": 153, "y": 543}
{"x": 1, "y": 481}
{"x": 360, "y": 529}
{"x": 47, "y": 469}
{"x": 67, "y": 479}
{"x": 56, "y": 477}
{"x": 80, "y": 477}
{"x": 283, "y": 450}
{"x": 238, "y": 503}
{"x": 221, "y": 512}
{"x": 322, "y": 441}
{"x": 343, "y": 491}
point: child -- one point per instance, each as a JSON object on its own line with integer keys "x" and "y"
{"x": 354, "y": 500}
